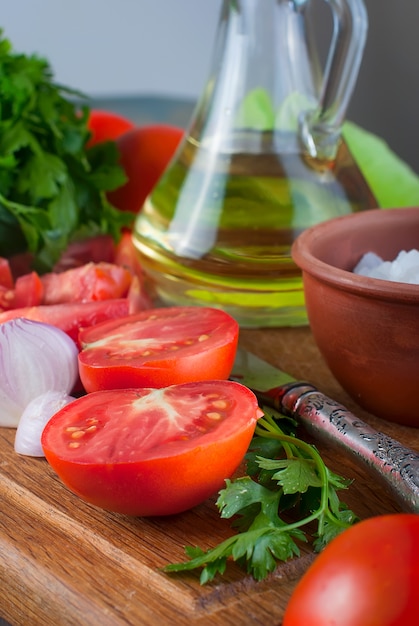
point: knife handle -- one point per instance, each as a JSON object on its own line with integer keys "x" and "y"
{"x": 394, "y": 464}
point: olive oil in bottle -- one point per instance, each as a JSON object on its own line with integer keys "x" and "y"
{"x": 218, "y": 231}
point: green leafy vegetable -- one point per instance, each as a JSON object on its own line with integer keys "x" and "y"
{"x": 392, "y": 181}
{"x": 52, "y": 188}
{"x": 287, "y": 489}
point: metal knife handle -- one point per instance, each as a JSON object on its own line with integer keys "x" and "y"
{"x": 329, "y": 421}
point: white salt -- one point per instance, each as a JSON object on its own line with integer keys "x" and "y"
{"x": 404, "y": 268}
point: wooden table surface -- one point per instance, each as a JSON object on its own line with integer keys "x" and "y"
{"x": 64, "y": 562}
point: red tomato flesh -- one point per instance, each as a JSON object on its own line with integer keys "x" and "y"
{"x": 6, "y": 278}
{"x": 367, "y": 576}
{"x": 157, "y": 348}
{"x": 87, "y": 283}
{"x": 71, "y": 317}
{"x": 151, "y": 452}
{"x": 28, "y": 290}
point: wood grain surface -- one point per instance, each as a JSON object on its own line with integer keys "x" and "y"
{"x": 63, "y": 562}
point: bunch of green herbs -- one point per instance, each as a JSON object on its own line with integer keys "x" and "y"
{"x": 52, "y": 187}
{"x": 287, "y": 496}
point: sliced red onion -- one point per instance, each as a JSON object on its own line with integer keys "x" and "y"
{"x": 34, "y": 358}
{"x": 32, "y": 422}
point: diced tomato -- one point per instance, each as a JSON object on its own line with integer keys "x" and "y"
{"x": 6, "y": 278}
{"x": 71, "y": 317}
{"x": 28, "y": 291}
{"x": 151, "y": 452}
{"x": 157, "y": 348}
{"x": 6, "y": 298}
{"x": 89, "y": 282}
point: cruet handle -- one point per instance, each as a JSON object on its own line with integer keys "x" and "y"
{"x": 321, "y": 128}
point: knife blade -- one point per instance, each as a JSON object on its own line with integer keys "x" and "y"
{"x": 396, "y": 466}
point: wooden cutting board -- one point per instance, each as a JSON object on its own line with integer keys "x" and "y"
{"x": 63, "y": 562}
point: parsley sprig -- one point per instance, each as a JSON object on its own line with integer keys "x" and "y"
{"x": 52, "y": 187}
{"x": 287, "y": 496}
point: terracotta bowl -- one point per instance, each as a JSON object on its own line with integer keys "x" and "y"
{"x": 367, "y": 329}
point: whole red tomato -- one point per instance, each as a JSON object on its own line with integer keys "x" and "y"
{"x": 152, "y": 451}
{"x": 145, "y": 153}
{"x": 106, "y": 126}
{"x": 367, "y": 576}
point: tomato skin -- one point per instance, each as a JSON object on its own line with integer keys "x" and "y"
{"x": 6, "y": 277}
{"x": 72, "y": 316}
{"x": 151, "y": 452}
{"x": 367, "y": 576}
{"x": 29, "y": 290}
{"x": 145, "y": 153}
{"x": 106, "y": 126}
{"x": 157, "y": 348}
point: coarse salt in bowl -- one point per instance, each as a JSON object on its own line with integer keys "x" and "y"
{"x": 366, "y": 327}
{"x": 404, "y": 268}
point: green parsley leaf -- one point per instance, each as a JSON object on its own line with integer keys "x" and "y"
{"x": 284, "y": 475}
{"x": 52, "y": 187}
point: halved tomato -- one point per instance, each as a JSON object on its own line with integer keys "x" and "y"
{"x": 157, "y": 348}
{"x": 151, "y": 452}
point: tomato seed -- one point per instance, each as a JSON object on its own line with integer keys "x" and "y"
{"x": 203, "y": 337}
{"x": 74, "y": 444}
{"x": 77, "y": 434}
{"x": 220, "y": 404}
{"x": 71, "y": 429}
{"x": 214, "y": 415}
{"x": 91, "y": 428}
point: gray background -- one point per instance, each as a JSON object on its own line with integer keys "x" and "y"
{"x": 154, "y": 47}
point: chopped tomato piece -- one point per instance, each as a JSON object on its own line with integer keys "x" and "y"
{"x": 28, "y": 291}
{"x": 71, "y": 317}
{"x": 6, "y": 298}
{"x": 89, "y": 282}
{"x": 6, "y": 278}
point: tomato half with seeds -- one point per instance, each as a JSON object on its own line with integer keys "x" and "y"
{"x": 151, "y": 452}
{"x": 158, "y": 348}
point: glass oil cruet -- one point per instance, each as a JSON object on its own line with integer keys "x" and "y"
{"x": 262, "y": 160}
